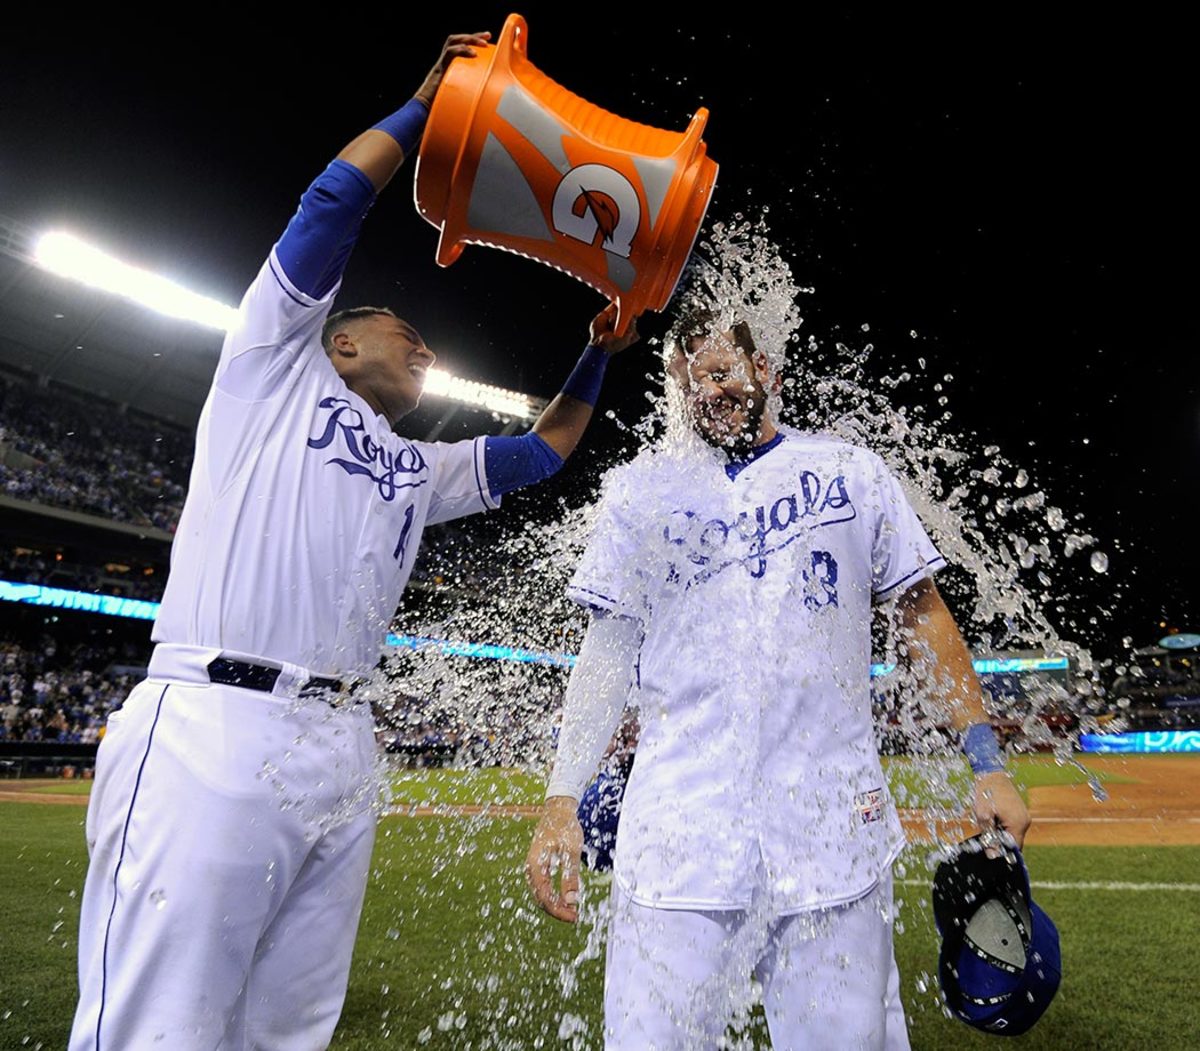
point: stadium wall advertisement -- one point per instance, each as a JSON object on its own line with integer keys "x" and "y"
{"x": 1162, "y": 741}
{"x": 140, "y": 609}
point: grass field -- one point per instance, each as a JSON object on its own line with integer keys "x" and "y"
{"x": 64, "y": 788}
{"x": 452, "y": 955}
{"x": 914, "y": 784}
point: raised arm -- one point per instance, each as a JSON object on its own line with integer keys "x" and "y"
{"x": 316, "y": 245}
{"x": 281, "y": 314}
{"x": 379, "y": 152}
{"x": 513, "y": 462}
{"x": 595, "y": 699}
{"x": 567, "y": 416}
{"x": 932, "y": 648}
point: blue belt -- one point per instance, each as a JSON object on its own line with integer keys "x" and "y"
{"x": 249, "y": 676}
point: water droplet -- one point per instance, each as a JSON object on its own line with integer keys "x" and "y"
{"x": 1099, "y": 561}
{"x": 1022, "y": 479}
{"x": 159, "y": 898}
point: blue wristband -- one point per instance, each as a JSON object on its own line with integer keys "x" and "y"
{"x": 406, "y": 125}
{"x": 584, "y": 382}
{"x": 983, "y": 753}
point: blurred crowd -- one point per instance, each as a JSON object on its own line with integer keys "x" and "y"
{"x": 53, "y": 692}
{"x": 63, "y": 692}
{"x": 89, "y": 457}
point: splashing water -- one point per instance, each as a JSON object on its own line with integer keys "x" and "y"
{"x": 1009, "y": 552}
{"x": 1006, "y": 544}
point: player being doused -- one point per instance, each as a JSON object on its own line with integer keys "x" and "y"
{"x": 731, "y": 577}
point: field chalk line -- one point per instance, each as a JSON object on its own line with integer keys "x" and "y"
{"x": 1191, "y": 888}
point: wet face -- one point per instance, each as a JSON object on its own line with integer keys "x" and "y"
{"x": 384, "y": 360}
{"x": 724, "y": 391}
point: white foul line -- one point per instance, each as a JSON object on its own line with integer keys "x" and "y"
{"x": 1114, "y": 820}
{"x": 1192, "y": 888}
{"x": 918, "y": 816}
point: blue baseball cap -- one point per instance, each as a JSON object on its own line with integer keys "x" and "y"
{"x": 1000, "y": 963}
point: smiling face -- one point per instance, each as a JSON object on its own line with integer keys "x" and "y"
{"x": 724, "y": 383}
{"x": 382, "y": 358}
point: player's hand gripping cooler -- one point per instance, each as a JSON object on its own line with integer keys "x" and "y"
{"x": 513, "y": 160}
{"x": 1000, "y": 964}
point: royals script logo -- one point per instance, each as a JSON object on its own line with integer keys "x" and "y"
{"x": 389, "y": 469}
{"x": 700, "y": 548}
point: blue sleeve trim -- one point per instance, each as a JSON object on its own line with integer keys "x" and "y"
{"x": 513, "y": 462}
{"x": 587, "y": 376}
{"x": 406, "y": 125}
{"x": 316, "y": 245}
{"x": 938, "y": 562}
{"x": 488, "y": 498}
{"x": 983, "y": 753}
{"x": 284, "y": 285}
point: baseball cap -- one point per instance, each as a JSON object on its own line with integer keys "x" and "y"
{"x": 599, "y": 814}
{"x": 1000, "y": 963}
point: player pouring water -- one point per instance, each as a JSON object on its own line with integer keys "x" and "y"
{"x": 232, "y": 820}
{"x": 730, "y": 580}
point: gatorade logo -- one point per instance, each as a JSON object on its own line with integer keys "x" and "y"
{"x": 594, "y": 202}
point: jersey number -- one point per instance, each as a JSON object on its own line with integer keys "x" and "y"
{"x": 405, "y": 529}
{"x": 820, "y": 582}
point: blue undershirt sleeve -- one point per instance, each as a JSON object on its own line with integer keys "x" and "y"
{"x": 515, "y": 461}
{"x": 316, "y": 245}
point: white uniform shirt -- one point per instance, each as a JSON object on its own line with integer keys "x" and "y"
{"x": 304, "y": 510}
{"x": 757, "y": 765}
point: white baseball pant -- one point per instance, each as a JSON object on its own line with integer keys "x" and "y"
{"x": 675, "y": 979}
{"x": 230, "y": 834}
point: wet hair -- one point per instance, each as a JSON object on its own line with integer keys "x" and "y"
{"x": 697, "y": 322}
{"x": 335, "y": 323}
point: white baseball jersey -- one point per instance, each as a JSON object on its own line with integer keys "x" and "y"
{"x": 304, "y": 511}
{"x": 757, "y": 763}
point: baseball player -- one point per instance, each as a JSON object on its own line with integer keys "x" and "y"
{"x": 730, "y": 578}
{"x": 231, "y": 822}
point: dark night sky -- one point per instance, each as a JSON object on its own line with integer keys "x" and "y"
{"x": 1011, "y": 188}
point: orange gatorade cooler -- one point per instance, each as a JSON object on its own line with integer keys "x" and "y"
{"x": 513, "y": 160}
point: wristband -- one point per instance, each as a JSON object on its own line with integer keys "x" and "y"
{"x": 406, "y": 125}
{"x": 983, "y": 753}
{"x": 584, "y": 382}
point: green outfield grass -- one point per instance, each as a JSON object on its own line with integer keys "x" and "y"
{"x": 451, "y": 954}
{"x": 914, "y": 783}
{"x": 451, "y": 787}
{"x": 63, "y": 788}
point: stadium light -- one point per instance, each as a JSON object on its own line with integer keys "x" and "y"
{"x": 68, "y": 256}
{"x": 443, "y": 384}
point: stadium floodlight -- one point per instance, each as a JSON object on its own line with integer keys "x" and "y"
{"x": 68, "y": 256}
{"x": 442, "y": 384}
